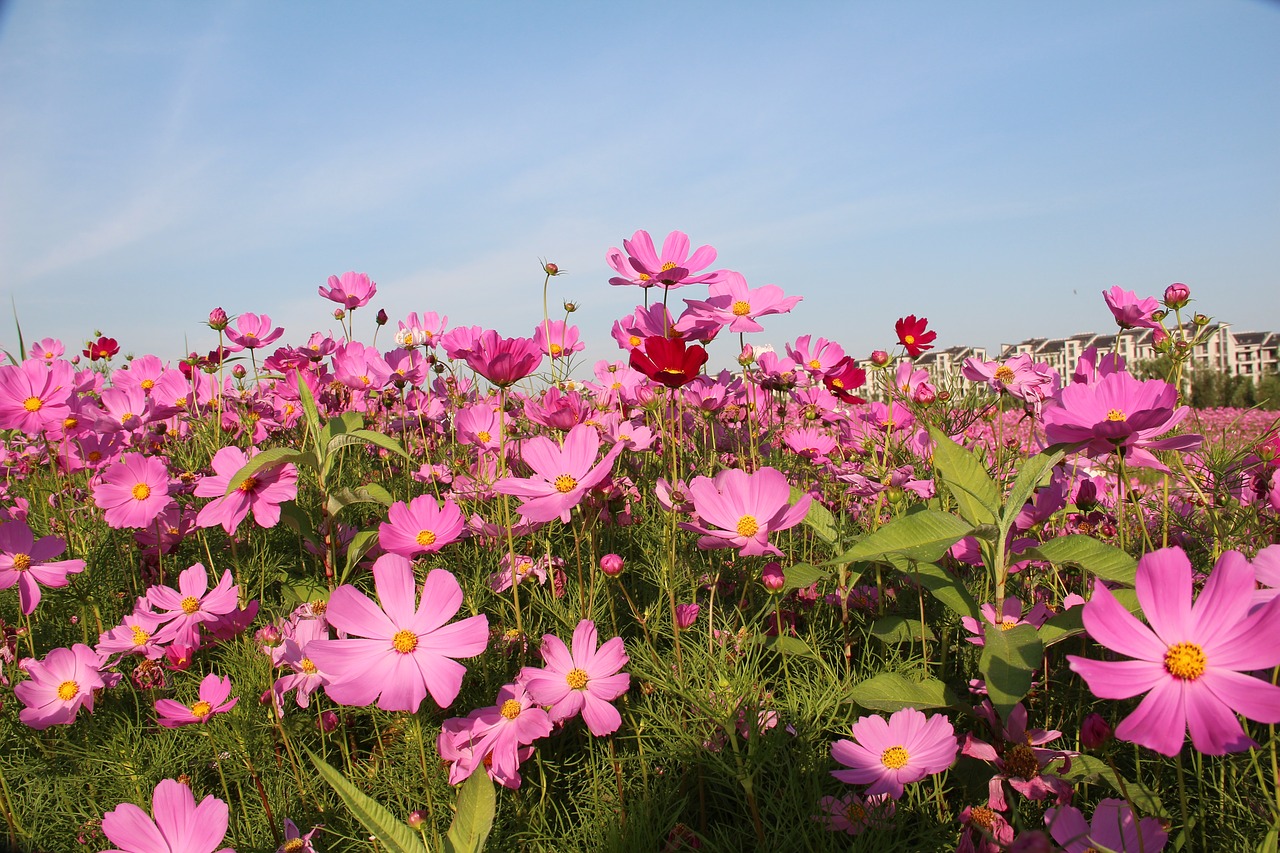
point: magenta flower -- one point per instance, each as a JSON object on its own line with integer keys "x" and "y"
{"x": 644, "y": 267}
{"x": 180, "y": 826}
{"x": 503, "y": 361}
{"x": 59, "y": 686}
{"x": 557, "y": 339}
{"x": 253, "y": 331}
{"x": 352, "y": 290}
{"x": 889, "y": 755}
{"x": 35, "y": 395}
{"x": 740, "y": 510}
{"x": 396, "y": 654}
{"x": 27, "y": 562}
{"x": 262, "y": 493}
{"x": 852, "y": 814}
{"x": 213, "y": 700}
{"x": 562, "y": 476}
{"x": 421, "y": 526}
{"x": 133, "y": 491}
{"x": 1129, "y": 310}
{"x": 182, "y": 611}
{"x": 498, "y": 736}
{"x": 737, "y": 306}
{"x": 1010, "y": 616}
{"x": 135, "y": 636}
{"x": 1192, "y": 661}
{"x": 1021, "y": 758}
{"x": 1119, "y": 413}
{"x": 584, "y": 681}
{"x": 1114, "y": 827}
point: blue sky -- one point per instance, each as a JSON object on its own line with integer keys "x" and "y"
{"x": 992, "y": 166}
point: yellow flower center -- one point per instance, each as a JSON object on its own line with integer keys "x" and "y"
{"x": 564, "y": 483}
{"x": 32, "y": 404}
{"x": 484, "y": 436}
{"x": 1116, "y": 415}
{"x": 201, "y": 709}
{"x": 894, "y": 757}
{"x": 319, "y": 607}
{"x": 293, "y": 845}
{"x": 741, "y": 308}
{"x": 1020, "y": 762}
{"x": 855, "y": 813}
{"x": 190, "y": 604}
{"x": 126, "y": 417}
{"x": 577, "y": 679}
{"x": 909, "y": 339}
{"x": 249, "y": 484}
{"x": 70, "y": 423}
{"x": 983, "y": 817}
{"x": 836, "y": 383}
{"x": 511, "y": 635}
{"x": 307, "y": 666}
{"x": 181, "y": 402}
{"x": 140, "y": 492}
{"x": 67, "y": 690}
{"x": 556, "y": 349}
{"x": 404, "y": 641}
{"x": 511, "y": 709}
{"x": 815, "y": 364}
{"x": 1185, "y": 661}
{"x": 748, "y": 526}
{"x": 140, "y": 636}
{"x": 644, "y": 276}
{"x": 1008, "y": 623}
{"x": 21, "y": 562}
{"x": 425, "y": 538}
{"x": 634, "y": 341}
{"x": 1004, "y": 374}
{"x": 147, "y": 384}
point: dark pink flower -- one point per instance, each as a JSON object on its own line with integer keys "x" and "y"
{"x": 887, "y": 755}
{"x": 262, "y": 493}
{"x": 133, "y": 491}
{"x": 1129, "y": 310}
{"x": 503, "y": 361}
{"x": 27, "y": 562}
{"x": 253, "y": 331}
{"x": 585, "y": 680}
{"x": 644, "y": 267}
{"x": 352, "y": 290}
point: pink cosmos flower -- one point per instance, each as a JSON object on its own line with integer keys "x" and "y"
{"x": 183, "y": 610}
{"x": 295, "y": 841}
{"x": 306, "y": 677}
{"x": 262, "y": 493}
{"x": 817, "y": 357}
{"x": 497, "y": 736}
{"x": 1021, "y": 757}
{"x": 1114, "y": 827}
{"x": 59, "y": 686}
{"x": 213, "y": 700}
{"x": 889, "y": 755}
{"x": 740, "y": 510}
{"x": 1191, "y": 661}
{"x": 1119, "y": 413}
{"x": 180, "y": 826}
{"x": 353, "y": 290}
{"x": 737, "y": 306}
{"x": 136, "y": 636}
{"x": 1010, "y": 615}
{"x": 421, "y": 526}
{"x": 503, "y": 361}
{"x": 133, "y": 491}
{"x": 35, "y": 395}
{"x": 1018, "y": 376}
{"x": 585, "y": 680}
{"x": 1129, "y": 310}
{"x": 556, "y": 339}
{"x": 27, "y": 562}
{"x": 425, "y": 331}
{"x": 398, "y": 652}
{"x": 644, "y": 267}
{"x": 253, "y": 331}
{"x": 853, "y": 814}
{"x": 562, "y": 475}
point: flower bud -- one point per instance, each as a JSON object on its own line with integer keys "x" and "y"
{"x": 328, "y": 722}
{"x": 1159, "y": 314}
{"x": 1176, "y": 295}
{"x": 381, "y": 317}
{"x": 772, "y": 577}
{"x": 269, "y": 636}
{"x": 611, "y": 565}
{"x": 570, "y": 307}
{"x": 238, "y": 371}
{"x": 339, "y": 314}
{"x": 550, "y": 268}
{"x": 1095, "y": 733}
{"x": 218, "y": 319}
{"x": 747, "y": 357}
{"x": 686, "y": 615}
{"x": 1200, "y": 320}
{"x": 416, "y": 819}
{"x": 924, "y": 394}
{"x": 879, "y": 358}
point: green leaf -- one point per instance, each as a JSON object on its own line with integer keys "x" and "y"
{"x": 977, "y": 498}
{"x": 890, "y": 691}
{"x": 943, "y": 585}
{"x": 367, "y": 494}
{"x": 921, "y": 534}
{"x": 303, "y": 590}
{"x": 1085, "y": 767}
{"x": 785, "y": 645}
{"x": 1009, "y": 659}
{"x": 898, "y": 629}
{"x": 1030, "y": 475}
{"x": 477, "y": 804}
{"x": 802, "y": 575}
{"x": 309, "y": 411}
{"x": 1070, "y": 623}
{"x": 1106, "y": 561}
{"x": 819, "y": 519}
{"x": 264, "y": 460}
{"x": 394, "y": 836}
{"x": 297, "y": 520}
{"x": 359, "y": 545}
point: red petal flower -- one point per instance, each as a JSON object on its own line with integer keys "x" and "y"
{"x": 912, "y": 334}
{"x": 668, "y": 360}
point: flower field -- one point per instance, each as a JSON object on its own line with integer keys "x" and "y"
{"x": 424, "y": 586}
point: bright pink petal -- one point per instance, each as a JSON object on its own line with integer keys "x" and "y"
{"x": 1118, "y": 679}
{"x": 1160, "y": 721}
{"x": 1109, "y": 623}
{"x": 1164, "y": 589}
{"x": 130, "y": 828}
{"x": 353, "y": 612}
{"x": 394, "y": 582}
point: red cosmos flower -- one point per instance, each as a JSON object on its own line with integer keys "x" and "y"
{"x": 668, "y": 361}
{"x": 912, "y": 334}
{"x": 845, "y": 376}
{"x": 102, "y": 348}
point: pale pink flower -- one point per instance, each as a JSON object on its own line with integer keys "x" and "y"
{"x": 59, "y": 686}
{"x": 183, "y": 610}
{"x": 740, "y": 510}
{"x": 562, "y": 475}
{"x": 585, "y": 680}
{"x": 180, "y": 826}
{"x": 735, "y": 305}
{"x": 420, "y": 526}
{"x": 263, "y": 492}
{"x": 253, "y": 331}
{"x": 674, "y": 267}
{"x": 27, "y": 562}
{"x": 497, "y": 736}
{"x": 887, "y": 755}
{"x": 213, "y": 700}
{"x": 133, "y": 491}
